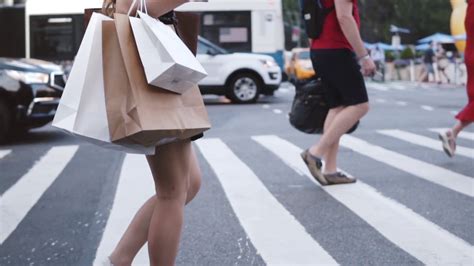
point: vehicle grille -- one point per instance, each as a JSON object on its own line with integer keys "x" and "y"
{"x": 58, "y": 80}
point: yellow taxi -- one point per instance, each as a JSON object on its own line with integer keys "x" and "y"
{"x": 299, "y": 65}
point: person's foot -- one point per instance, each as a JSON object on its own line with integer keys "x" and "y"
{"x": 315, "y": 165}
{"x": 448, "y": 141}
{"x": 339, "y": 178}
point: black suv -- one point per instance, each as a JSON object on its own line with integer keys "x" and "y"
{"x": 29, "y": 94}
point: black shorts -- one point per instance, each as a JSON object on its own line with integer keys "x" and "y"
{"x": 340, "y": 72}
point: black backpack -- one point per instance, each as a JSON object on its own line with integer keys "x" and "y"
{"x": 314, "y": 13}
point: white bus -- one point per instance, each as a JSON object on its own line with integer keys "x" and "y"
{"x": 54, "y": 28}
{"x": 254, "y": 26}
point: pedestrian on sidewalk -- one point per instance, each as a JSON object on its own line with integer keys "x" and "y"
{"x": 340, "y": 59}
{"x": 378, "y": 55}
{"x": 176, "y": 175}
{"x": 442, "y": 63}
{"x": 428, "y": 60}
{"x": 466, "y": 116}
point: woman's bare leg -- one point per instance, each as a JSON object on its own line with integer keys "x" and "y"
{"x": 134, "y": 237}
{"x": 137, "y": 232}
{"x": 342, "y": 122}
{"x": 171, "y": 169}
{"x": 459, "y": 126}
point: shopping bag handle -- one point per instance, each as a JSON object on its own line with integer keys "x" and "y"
{"x": 140, "y": 7}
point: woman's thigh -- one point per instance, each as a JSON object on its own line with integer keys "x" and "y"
{"x": 171, "y": 167}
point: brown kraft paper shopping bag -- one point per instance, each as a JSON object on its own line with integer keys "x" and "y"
{"x": 137, "y": 112}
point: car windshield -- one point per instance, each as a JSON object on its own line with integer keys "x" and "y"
{"x": 304, "y": 55}
{"x": 207, "y": 43}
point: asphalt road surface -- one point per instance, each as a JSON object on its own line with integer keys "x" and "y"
{"x": 66, "y": 202}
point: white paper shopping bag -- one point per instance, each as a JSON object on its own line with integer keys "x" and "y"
{"x": 82, "y": 109}
{"x": 167, "y": 61}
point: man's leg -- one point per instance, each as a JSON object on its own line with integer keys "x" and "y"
{"x": 347, "y": 91}
{"x": 343, "y": 121}
{"x": 330, "y": 157}
{"x": 424, "y": 74}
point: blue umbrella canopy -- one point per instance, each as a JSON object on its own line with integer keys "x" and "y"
{"x": 368, "y": 45}
{"x": 438, "y": 38}
{"x": 422, "y": 47}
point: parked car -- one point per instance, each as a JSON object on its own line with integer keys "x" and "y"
{"x": 241, "y": 77}
{"x": 29, "y": 94}
{"x": 300, "y": 67}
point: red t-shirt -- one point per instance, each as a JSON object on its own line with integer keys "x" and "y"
{"x": 332, "y": 36}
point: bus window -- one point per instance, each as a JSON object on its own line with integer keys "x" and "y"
{"x": 229, "y": 30}
{"x": 55, "y": 37}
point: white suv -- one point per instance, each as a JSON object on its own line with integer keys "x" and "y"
{"x": 241, "y": 77}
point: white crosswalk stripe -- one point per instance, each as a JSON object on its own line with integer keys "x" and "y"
{"x": 264, "y": 221}
{"x": 17, "y": 201}
{"x": 462, "y": 134}
{"x": 427, "y": 108}
{"x": 408, "y": 230}
{"x": 425, "y": 141}
{"x": 4, "y": 153}
{"x": 377, "y": 86}
{"x": 398, "y": 86}
{"x": 443, "y": 177}
{"x": 135, "y": 179}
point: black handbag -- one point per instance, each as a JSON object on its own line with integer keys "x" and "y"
{"x": 310, "y": 107}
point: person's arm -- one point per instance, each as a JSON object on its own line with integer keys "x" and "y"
{"x": 156, "y": 8}
{"x": 344, "y": 12}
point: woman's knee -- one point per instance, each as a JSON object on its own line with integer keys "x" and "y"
{"x": 169, "y": 195}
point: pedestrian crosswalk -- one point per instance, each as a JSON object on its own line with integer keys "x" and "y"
{"x": 390, "y": 218}
{"x": 462, "y": 134}
{"x": 20, "y": 198}
{"x": 377, "y": 86}
{"x": 391, "y": 86}
{"x": 277, "y": 234}
{"x": 264, "y": 221}
{"x": 426, "y": 142}
{"x": 404, "y": 86}
{"x": 432, "y": 173}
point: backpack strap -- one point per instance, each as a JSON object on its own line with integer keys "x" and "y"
{"x": 327, "y": 10}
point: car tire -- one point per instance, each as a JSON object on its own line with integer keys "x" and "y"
{"x": 244, "y": 88}
{"x": 5, "y": 122}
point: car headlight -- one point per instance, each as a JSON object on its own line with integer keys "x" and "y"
{"x": 268, "y": 63}
{"x": 28, "y": 77}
